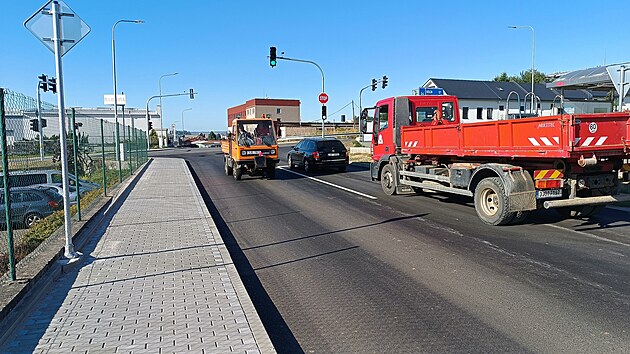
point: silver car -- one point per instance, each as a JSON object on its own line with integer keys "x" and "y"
{"x": 72, "y": 191}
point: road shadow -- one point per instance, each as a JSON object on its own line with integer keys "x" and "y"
{"x": 281, "y": 336}
{"x": 605, "y": 219}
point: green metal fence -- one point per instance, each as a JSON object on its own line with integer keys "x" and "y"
{"x": 31, "y": 155}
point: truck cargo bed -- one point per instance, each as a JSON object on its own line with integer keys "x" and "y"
{"x": 562, "y": 136}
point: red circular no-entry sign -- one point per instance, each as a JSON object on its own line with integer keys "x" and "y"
{"x": 323, "y": 97}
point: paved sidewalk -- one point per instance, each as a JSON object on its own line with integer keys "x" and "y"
{"x": 156, "y": 279}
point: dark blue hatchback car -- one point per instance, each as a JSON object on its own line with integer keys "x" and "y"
{"x": 313, "y": 153}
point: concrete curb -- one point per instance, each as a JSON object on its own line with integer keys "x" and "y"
{"x": 24, "y": 293}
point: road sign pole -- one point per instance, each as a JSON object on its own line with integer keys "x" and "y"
{"x": 69, "y": 250}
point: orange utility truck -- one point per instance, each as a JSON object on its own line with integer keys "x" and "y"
{"x": 251, "y": 148}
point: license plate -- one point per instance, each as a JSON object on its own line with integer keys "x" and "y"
{"x": 548, "y": 193}
{"x": 333, "y": 154}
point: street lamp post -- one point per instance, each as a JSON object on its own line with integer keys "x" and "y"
{"x": 161, "y": 106}
{"x": 533, "y": 47}
{"x": 117, "y": 142}
{"x": 187, "y": 109}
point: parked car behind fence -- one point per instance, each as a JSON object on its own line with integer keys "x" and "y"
{"x": 29, "y": 205}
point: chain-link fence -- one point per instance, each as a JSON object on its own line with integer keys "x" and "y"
{"x": 31, "y": 191}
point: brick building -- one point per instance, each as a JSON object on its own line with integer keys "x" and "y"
{"x": 288, "y": 111}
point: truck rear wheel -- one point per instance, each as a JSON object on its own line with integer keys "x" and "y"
{"x": 228, "y": 168}
{"x": 388, "y": 179}
{"x": 491, "y": 202}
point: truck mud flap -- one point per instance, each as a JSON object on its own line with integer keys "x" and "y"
{"x": 404, "y": 189}
{"x": 260, "y": 162}
{"x": 374, "y": 170}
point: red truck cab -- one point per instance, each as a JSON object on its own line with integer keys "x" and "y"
{"x": 420, "y": 111}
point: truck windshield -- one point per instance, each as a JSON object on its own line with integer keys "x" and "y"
{"x": 256, "y": 133}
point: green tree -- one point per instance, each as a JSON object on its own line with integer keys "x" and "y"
{"x": 84, "y": 160}
{"x": 523, "y": 77}
{"x": 212, "y": 136}
{"x": 154, "y": 138}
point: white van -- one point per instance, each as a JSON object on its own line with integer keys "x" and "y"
{"x": 30, "y": 177}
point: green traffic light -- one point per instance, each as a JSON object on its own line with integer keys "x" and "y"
{"x": 272, "y": 63}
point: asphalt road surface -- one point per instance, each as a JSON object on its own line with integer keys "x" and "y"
{"x": 334, "y": 265}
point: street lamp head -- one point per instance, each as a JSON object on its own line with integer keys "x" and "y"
{"x": 138, "y": 21}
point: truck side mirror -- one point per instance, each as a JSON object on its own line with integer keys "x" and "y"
{"x": 364, "y": 115}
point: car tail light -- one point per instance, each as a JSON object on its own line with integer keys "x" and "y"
{"x": 53, "y": 204}
{"x": 316, "y": 155}
{"x": 548, "y": 183}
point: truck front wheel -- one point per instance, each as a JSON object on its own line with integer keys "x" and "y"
{"x": 271, "y": 171}
{"x": 228, "y": 168}
{"x": 491, "y": 202}
{"x": 237, "y": 173}
{"x": 388, "y": 179}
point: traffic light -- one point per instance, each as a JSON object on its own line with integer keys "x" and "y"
{"x": 272, "y": 56}
{"x": 384, "y": 81}
{"x": 52, "y": 84}
{"x": 323, "y": 112}
{"x": 34, "y": 125}
{"x": 374, "y": 84}
{"x": 150, "y": 125}
{"x": 43, "y": 82}
{"x": 192, "y": 94}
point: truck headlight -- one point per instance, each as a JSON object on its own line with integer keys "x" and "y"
{"x": 272, "y": 152}
{"x": 243, "y": 152}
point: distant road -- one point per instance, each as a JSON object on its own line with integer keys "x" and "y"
{"x": 334, "y": 265}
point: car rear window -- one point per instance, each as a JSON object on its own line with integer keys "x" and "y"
{"x": 330, "y": 144}
{"x": 51, "y": 193}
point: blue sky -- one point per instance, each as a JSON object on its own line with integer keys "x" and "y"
{"x": 220, "y": 49}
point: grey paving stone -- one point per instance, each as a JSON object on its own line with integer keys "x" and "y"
{"x": 156, "y": 281}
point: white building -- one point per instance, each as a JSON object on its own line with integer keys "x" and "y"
{"x": 488, "y": 100}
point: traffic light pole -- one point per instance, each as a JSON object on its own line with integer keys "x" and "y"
{"x": 39, "y": 122}
{"x": 361, "y": 107}
{"x": 323, "y": 89}
{"x": 191, "y": 93}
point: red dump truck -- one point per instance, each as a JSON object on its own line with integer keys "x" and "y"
{"x": 509, "y": 167}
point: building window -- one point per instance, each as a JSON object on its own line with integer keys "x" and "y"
{"x": 278, "y": 110}
{"x": 489, "y": 113}
{"x": 501, "y": 108}
{"x": 522, "y": 108}
{"x": 479, "y": 112}
{"x": 464, "y": 112}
